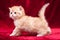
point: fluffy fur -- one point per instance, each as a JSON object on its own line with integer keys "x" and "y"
{"x": 28, "y": 23}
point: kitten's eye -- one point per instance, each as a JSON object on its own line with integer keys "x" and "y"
{"x": 11, "y": 12}
{"x": 14, "y": 12}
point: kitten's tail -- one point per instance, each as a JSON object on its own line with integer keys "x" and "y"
{"x": 42, "y": 11}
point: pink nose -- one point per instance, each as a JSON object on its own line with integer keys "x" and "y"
{"x": 12, "y": 15}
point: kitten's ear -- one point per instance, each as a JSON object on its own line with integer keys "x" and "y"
{"x": 9, "y": 8}
{"x": 21, "y": 8}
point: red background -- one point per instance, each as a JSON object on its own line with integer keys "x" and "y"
{"x": 31, "y": 8}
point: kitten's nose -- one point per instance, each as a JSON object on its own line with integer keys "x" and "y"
{"x": 12, "y": 15}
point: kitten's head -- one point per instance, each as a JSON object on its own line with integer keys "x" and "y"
{"x": 16, "y": 12}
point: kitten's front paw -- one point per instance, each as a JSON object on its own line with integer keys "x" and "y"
{"x": 14, "y": 34}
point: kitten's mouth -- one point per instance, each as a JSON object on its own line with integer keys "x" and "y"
{"x": 14, "y": 17}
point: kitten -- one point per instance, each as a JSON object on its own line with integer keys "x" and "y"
{"x": 28, "y": 23}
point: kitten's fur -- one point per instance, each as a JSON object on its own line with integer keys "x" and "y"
{"x": 28, "y": 23}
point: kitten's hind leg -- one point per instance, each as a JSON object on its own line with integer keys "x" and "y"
{"x": 41, "y": 32}
{"x": 16, "y": 32}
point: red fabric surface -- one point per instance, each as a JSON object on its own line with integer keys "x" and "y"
{"x": 31, "y": 7}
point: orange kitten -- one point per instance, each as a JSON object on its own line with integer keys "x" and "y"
{"x": 28, "y": 23}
